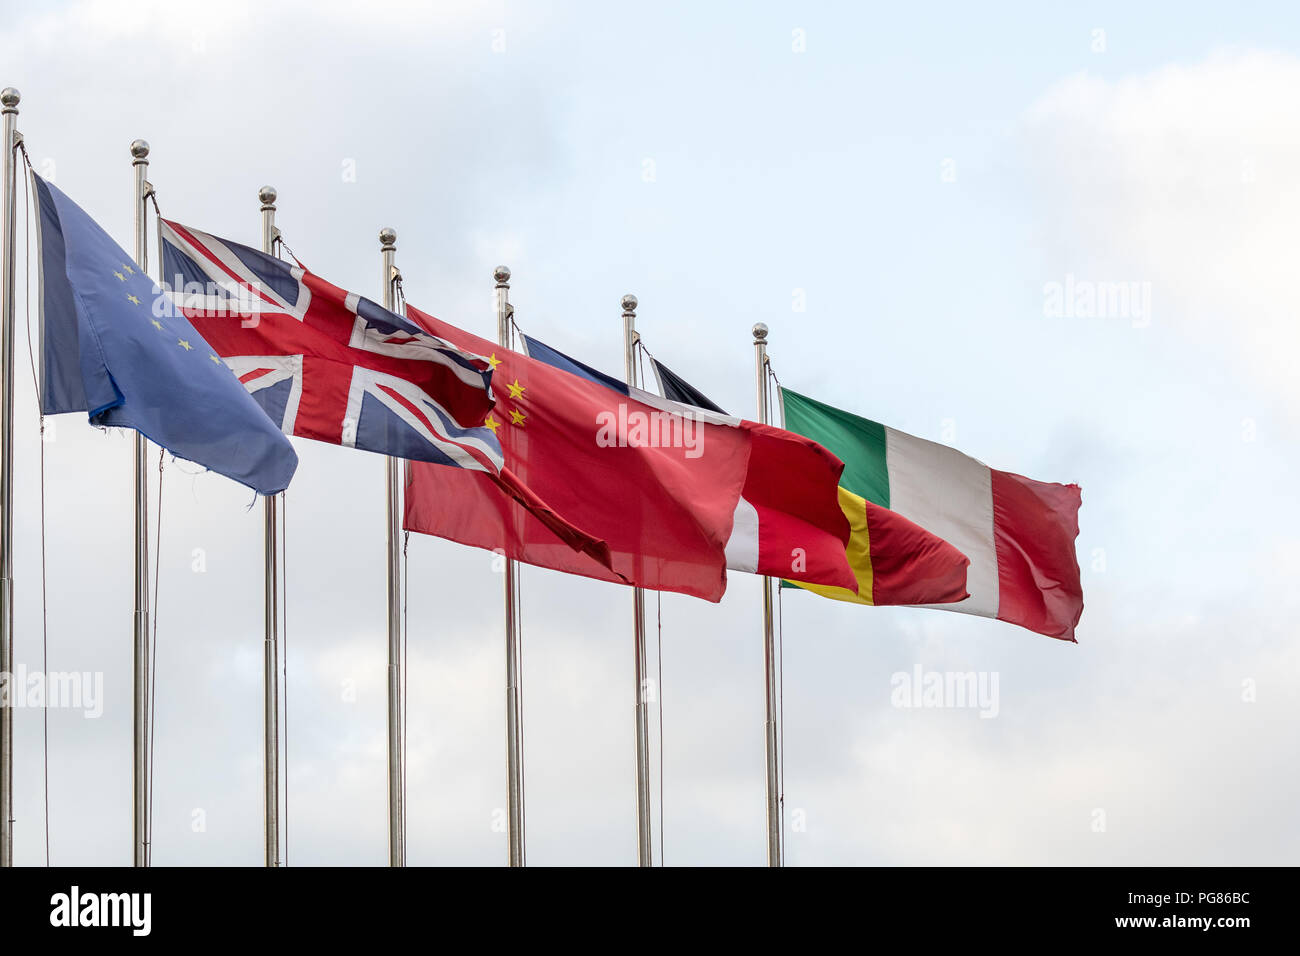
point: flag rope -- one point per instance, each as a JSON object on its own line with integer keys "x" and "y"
{"x": 780, "y": 654}
{"x": 659, "y": 651}
{"x": 153, "y": 664}
{"x": 284, "y": 663}
{"x": 278, "y": 243}
{"x": 40, "y": 411}
{"x": 152, "y": 700}
{"x": 642, "y": 353}
{"x": 406, "y": 658}
{"x": 518, "y": 629}
{"x": 404, "y": 590}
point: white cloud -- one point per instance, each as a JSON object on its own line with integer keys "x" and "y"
{"x": 1185, "y": 177}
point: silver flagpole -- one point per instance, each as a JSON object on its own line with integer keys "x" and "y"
{"x": 643, "y": 838}
{"x": 140, "y": 720}
{"x": 514, "y": 749}
{"x": 270, "y": 600}
{"x": 396, "y": 812}
{"x": 9, "y": 99}
{"x": 769, "y": 644}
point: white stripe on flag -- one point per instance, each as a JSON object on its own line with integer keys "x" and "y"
{"x": 951, "y": 495}
{"x": 742, "y": 546}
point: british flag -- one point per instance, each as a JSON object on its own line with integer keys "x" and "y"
{"x": 332, "y": 365}
{"x": 328, "y": 364}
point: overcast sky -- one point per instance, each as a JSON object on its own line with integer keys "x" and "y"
{"x": 919, "y": 179}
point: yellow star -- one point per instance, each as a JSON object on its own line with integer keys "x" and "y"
{"x": 493, "y": 362}
{"x": 215, "y": 359}
{"x": 183, "y": 344}
{"x": 132, "y": 298}
{"x": 517, "y": 417}
{"x": 129, "y": 270}
{"x": 516, "y": 390}
{"x": 119, "y": 275}
{"x": 157, "y": 325}
{"x": 492, "y": 424}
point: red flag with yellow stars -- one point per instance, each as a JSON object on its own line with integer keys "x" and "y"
{"x": 658, "y": 483}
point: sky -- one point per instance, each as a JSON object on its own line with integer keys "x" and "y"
{"x": 898, "y": 194}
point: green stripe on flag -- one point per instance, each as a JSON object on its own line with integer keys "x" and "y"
{"x": 858, "y": 442}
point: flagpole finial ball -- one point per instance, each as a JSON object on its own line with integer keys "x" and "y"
{"x": 139, "y": 149}
{"x": 10, "y": 97}
{"x": 501, "y": 274}
{"x": 388, "y": 237}
{"x": 267, "y": 194}
{"x": 629, "y": 303}
{"x": 760, "y": 332}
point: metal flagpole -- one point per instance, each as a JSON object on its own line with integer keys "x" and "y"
{"x": 140, "y": 720}
{"x": 643, "y": 844}
{"x": 396, "y": 811}
{"x": 514, "y": 747}
{"x": 270, "y": 600}
{"x": 9, "y": 99}
{"x": 769, "y": 644}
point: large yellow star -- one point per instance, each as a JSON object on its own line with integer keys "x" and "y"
{"x": 493, "y": 361}
{"x": 185, "y": 345}
{"x": 516, "y": 390}
{"x": 119, "y": 275}
{"x": 214, "y": 358}
{"x": 492, "y": 424}
{"x": 156, "y": 324}
{"x": 517, "y": 417}
{"x": 132, "y": 298}
{"x": 129, "y": 270}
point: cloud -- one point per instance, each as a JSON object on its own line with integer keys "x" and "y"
{"x": 1184, "y": 177}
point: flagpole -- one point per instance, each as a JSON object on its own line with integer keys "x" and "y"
{"x": 643, "y": 838}
{"x": 140, "y": 704}
{"x": 9, "y": 99}
{"x": 270, "y": 603}
{"x": 396, "y": 812}
{"x": 514, "y": 748}
{"x": 769, "y": 644}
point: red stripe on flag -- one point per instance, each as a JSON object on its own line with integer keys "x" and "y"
{"x": 793, "y": 484}
{"x": 909, "y": 565}
{"x": 249, "y": 376}
{"x": 1034, "y": 527}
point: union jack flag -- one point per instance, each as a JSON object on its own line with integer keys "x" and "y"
{"x": 335, "y": 366}
{"x": 328, "y": 364}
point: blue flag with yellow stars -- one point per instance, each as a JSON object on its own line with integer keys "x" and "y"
{"x": 115, "y": 348}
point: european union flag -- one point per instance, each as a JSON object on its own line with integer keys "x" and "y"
{"x": 114, "y": 347}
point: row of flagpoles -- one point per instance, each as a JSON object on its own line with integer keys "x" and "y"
{"x": 141, "y": 717}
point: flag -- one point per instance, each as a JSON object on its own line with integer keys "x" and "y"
{"x": 894, "y": 561}
{"x": 787, "y": 521}
{"x": 336, "y": 367}
{"x": 113, "y": 348}
{"x": 1018, "y": 533}
{"x": 660, "y": 483}
{"x": 329, "y": 364}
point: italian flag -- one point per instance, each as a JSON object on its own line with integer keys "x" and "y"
{"x": 1018, "y": 533}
